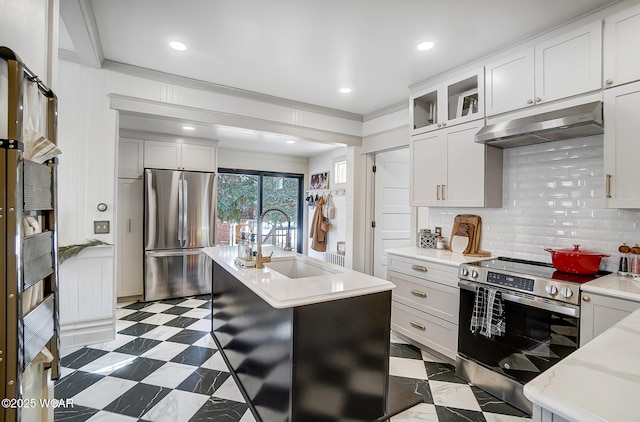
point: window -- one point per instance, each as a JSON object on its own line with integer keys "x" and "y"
{"x": 340, "y": 171}
{"x": 243, "y": 195}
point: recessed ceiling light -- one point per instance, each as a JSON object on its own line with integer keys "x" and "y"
{"x": 188, "y": 128}
{"x": 344, "y": 90}
{"x": 177, "y": 45}
{"x": 424, "y": 46}
{"x": 290, "y": 141}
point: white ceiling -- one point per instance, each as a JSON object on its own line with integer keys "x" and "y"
{"x": 305, "y": 50}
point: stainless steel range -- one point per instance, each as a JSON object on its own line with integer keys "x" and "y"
{"x": 517, "y": 319}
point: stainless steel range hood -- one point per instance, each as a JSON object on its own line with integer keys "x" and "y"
{"x": 568, "y": 123}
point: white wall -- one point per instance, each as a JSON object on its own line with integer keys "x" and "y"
{"x": 338, "y": 230}
{"x": 553, "y": 196}
{"x": 30, "y": 29}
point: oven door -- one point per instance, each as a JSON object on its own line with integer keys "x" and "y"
{"x": 538, "y": 334}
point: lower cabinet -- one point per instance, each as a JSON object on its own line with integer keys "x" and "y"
{"x": 601, "y": 312}
{"x": 425, "y": 303}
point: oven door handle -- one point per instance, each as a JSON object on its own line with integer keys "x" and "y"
{"x": 569, "y": 310}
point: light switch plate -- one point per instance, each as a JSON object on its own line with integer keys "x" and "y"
{"x": 101, "y": 227}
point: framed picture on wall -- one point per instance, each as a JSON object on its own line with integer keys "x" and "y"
{"x": 320, "y": 180}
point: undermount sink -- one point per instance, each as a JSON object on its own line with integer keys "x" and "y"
{"x": 295, "y": 268}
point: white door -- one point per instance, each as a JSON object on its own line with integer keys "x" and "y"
{"x": 392, "y": 213}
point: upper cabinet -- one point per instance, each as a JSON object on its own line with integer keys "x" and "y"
{"x": 622, "y": 47}
{"x": 567, "y": 65}
{"x": 449, "y": 169}
{"x": 621, "y": 146}
{"x": 130, "y": 153}
{"x": 179, "y": 156}
{"x": 456, "y": 101}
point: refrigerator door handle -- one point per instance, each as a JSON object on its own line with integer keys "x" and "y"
{"x": 180, "y": 214}
{"x": 181, "y": 252}
{"x": 185, "y": 213}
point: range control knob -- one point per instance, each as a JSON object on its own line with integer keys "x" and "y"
{"x": 474, "y": 274}
{"x": 464, "y": 271}
{"x": 566, "y": 292}
{"x": 551, "y": 289}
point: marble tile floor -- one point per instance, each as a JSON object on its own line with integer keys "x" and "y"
{"x": 164, "y": 366}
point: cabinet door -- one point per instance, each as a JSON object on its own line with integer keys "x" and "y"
{"x": 426, "y": 110}
{"x": 162, "y": 155}
{"x": 570, "y": 64}
{"x": 198, "y": 157}
{"x": 464, "y": 98}
{"x": 465, "y": 183}
{"x": 427, "y": 169}
{"x": 130, "y": 153}
{"x": 509, "y": 83}
{"x": 622, "y": 47}
{"x": 130, "y": 221}
{"x": 598, "y": 313}
{"x": 621, "y": 146}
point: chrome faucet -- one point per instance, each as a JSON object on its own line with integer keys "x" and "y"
{"x": 262, "y": 259}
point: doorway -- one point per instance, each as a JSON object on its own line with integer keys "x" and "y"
{"x": 392, "y": 214}
{"x": 242, "y": 195}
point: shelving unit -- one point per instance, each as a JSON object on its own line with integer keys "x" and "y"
{"x": 28, "y": 261}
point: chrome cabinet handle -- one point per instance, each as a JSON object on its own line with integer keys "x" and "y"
{"x": 609, "y": 82}
{"x": 443, "y": 198}
{"x": 417, "y": 325}
{"x": 538, "y": 99}
{"x": 586, "y": 298}
{"x": 444, "y": 124}
{"x": 438, "y": 192}
{"x": 129, "y": 224}
{"x": 419, "y": 268}
{"x": 608, "y": 186}
{"x": 418, "y": 293}
{"x": 529, "y": 101}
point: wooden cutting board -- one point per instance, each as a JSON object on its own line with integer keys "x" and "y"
{"x": 460, "y": 240}
{"x": 473, "y": 225}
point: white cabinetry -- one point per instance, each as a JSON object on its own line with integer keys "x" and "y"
{"x": 449, "y": 169}
{"x": 567, "y": 65}
{"x": 425, "y": 303}
{"x": 179, "y": 156}
{"x": 456, "y": 101}
{"x": 130, "y": 153}
{"x": 130, "y": 233}
{"x": 599, "y": 312}
{"x": 621, "y": 146}
{"x": 622, "y": 47}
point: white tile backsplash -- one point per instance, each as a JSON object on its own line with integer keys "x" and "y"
{"x": 553, "y": 196}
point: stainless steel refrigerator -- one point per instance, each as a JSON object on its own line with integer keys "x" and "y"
{"x": 179, "y": 220}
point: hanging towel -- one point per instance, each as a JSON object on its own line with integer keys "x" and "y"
{"x": 487, "y": 317}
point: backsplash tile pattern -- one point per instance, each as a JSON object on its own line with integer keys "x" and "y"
{"x": 553, "y": 196}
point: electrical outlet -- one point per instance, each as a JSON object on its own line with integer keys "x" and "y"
{"x": 100, "y": 227}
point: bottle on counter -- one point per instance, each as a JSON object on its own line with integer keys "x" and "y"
{"x": 440, "y": 242}
{"x": 635, "y": 260}
{"x": 623, "y": 268}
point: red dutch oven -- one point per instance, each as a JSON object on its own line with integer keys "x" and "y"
{"x": 576, "y": 261}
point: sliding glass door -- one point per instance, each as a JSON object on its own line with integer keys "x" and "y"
{"x": 243, "y": 195}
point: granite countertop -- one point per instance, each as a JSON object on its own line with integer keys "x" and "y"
{"x": 601, "y": 380}
{"x": 441, "y": 256}
{"x": 623, "y": 287}
{"x": 598, "y": 382}
{"x": 280, "y": 291}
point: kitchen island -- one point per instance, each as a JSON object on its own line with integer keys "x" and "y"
{"x": 311, "y": 345}
{"x": 601, "y": 380}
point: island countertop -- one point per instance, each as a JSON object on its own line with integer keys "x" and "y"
{"x": 281, "y": 292}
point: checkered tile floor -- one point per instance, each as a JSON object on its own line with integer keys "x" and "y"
{"x": 164, "y": 366}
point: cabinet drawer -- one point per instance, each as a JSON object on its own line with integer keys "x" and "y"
{"x": 439, "y": 273}
{"x": 435, "y": 333}
{"x": 436, "y": 299}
